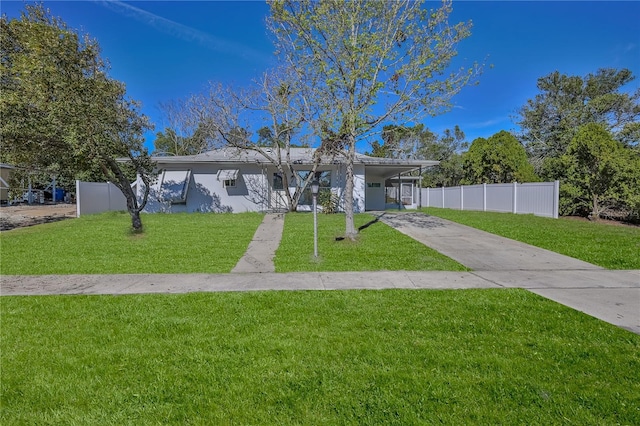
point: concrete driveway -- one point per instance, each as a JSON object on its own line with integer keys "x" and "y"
{"x": 612, "y": 296}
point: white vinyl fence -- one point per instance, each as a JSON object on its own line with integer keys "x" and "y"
{"x": 540, "y": 198}
{"x": 98, "y": 197}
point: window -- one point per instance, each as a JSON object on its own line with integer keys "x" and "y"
{"x": 229, "y": 183}
{"x": 277, "y": 181}
{"x": 306, "y": 199}
{"x": 174, "y": 185}
{"x": 373, "y": 184}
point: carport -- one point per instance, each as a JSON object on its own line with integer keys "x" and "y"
{"x": 390, "y": 183}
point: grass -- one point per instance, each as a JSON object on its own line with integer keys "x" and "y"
{"x": 378, "y": 247}
{"x": 340, "y": 357}
{"x": 609, "y": 246}
{"x": 103, "y": 244}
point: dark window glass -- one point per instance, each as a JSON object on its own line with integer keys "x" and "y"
{"x": 324, "y": 177}
{"x": 277, "y": 181}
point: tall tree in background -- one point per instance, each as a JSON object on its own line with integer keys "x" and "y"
{"x": 602, "y": 175}
{"x": 404, "y": 142}
{"x": 61, "y": 112}
{"x": 188, "y": 130}
{"x": 499, "y": 159}
{"x": 364, "y": 63}
{"x": 447, "y": 150}
{"x": 418, "y": 142}
{"x": 550, "y": 121}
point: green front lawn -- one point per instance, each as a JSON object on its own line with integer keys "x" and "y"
{"x": 103, "y": 244}
{"x": 339, "y": 357}
{"x": 206, "y": 243}
{"x": 606, "y": 245}
{"x": 213, "y": 243}
{"x": 378, "y": 247}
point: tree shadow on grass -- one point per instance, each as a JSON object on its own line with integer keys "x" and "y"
{"x": 362, "y": 227}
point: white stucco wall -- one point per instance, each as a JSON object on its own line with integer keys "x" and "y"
{"x": 207, "y": 194}
{"x": 252, "y": 192}
{"x": 359, "y": 188}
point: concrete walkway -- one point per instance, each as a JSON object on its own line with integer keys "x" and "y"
{"x": 612, "y": 296}
{"x": 262, "y": 248}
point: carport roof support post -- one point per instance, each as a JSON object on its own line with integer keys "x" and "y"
{"x": 399, "y": 189}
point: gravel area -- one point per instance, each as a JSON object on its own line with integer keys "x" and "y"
{"x": 20, "y": 216}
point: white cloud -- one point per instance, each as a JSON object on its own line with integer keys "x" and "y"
{"x": 183, "y": 32}
{"x": 487, "y": 123}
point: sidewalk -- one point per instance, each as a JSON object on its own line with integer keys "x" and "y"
{"x": 612, "y": 296}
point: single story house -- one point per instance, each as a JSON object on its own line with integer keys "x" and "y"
{"x": 232, "y": 180}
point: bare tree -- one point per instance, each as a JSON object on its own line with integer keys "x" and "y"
{"x": 276, "y": 102}
{"x": 362, "y": 63}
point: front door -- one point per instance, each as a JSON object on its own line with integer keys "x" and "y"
{"x": 277, "y": 198}
{"x": 406, "y": 194}
{"x": 374, "y": 196}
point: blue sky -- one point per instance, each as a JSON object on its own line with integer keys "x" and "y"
{"x": 164, "y": 50}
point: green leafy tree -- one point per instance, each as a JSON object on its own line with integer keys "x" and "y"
{"x": 447, "y": 149}
{"x": 499, "y": 159}
{"x": 61, "y": 112}
{"x": 450, "y": 172}
{"x": 601, "y": 173}
{"x": 550, "y": 120}
{"x": 364, "y": 63}
{"x": 418, "y": 142}
{"x": 169, "y": 143}
{"x": 189, "y": 129}
{"x": 627, "y": 181}
{"x": 404, "y": 142}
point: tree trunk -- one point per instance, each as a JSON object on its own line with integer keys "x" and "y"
{"x": 136, "y": 222}
{"x": 112, "y": 169}
{"x": 350, "y": 229}
{"x": 132, "y": 207}
{"x": 595, "y": 211}
{"x": 292, "y": 205}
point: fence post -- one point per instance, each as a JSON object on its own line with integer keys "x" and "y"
{"x": 515, "y": 197}
{"x": 461, "y": 197}
{"x": 442, "y": 188}
{"x": 108, "y": 196}
{"x": 556, "y": 198}
{"x": 77, "y": 198}
{"x": 428, "y": 205}
{"x": 420, "y": 189}
{"x": 484, "y": 197}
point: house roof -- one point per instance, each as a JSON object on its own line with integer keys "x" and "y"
{"x": 302, "y": 156}
{"x": 374, "y": 166}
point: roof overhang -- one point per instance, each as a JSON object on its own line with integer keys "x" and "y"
{"x": 228, "y": 174}
{"x": 234, "y": 158}
{"x": 393, "y": 169}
